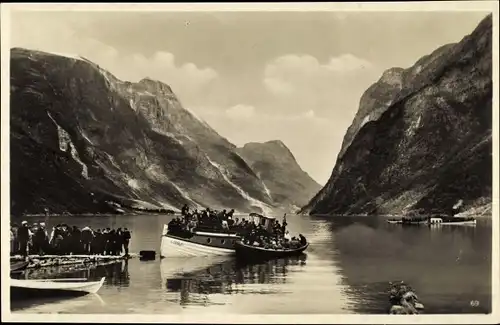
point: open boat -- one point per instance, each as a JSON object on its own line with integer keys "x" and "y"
{"x": 18, "y": 267}
{"x": 205, "y": 243}
{"x": 249, "y": 252}
{"x": 25, "y": 289}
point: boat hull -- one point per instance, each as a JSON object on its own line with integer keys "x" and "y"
{"x": 199, "y": 244}
{"x": 252, "y": 253}
{"x": 437, "y": 222}
{"x": 18, "y": 267}
{"x": 18, "y": 293}
{"x": 28, "y": 289}
{"x": 447, "y": 223}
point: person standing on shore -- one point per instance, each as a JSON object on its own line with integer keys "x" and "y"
{"x": 96, "y": 243}
{"x": 126, "y": 240}
{"x": 12, "y": 238}
{"x": 15, "y": 242}
{"x": 23, "y": 235}
{"x": 105, "y": 241}
{"x": 87, "y": 238}
{"x": 40, "y": 240}
{"x": 110, "y": 250}
{"x": 118, "y": 242}
{"x": 76, "y": 236}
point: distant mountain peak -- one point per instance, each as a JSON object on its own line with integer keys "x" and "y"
{"x": 276, "y": 165}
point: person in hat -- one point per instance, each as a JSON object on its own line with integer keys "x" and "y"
{"x": 96, "y": 244}
{"x": 40, "y": 239}
{"x": 15, "y": 242}
{"x": 23, "y": 236}
{"x": 126, "y": 240}
{"x": 87, "y": 236}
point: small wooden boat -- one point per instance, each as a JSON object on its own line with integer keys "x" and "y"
{"x": 18, "y": 267}
{"x": 26, "y": 289}
{"x": 249, "y": 252}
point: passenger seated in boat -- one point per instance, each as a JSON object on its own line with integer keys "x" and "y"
{"x": 277, "y": 228}
{"x": 225, "y": 225}
{"x": 287, "y": 236}
{"x": 303, "y": 240}
{"x": 184, "y": 210}
{"x": 191, "y": 225}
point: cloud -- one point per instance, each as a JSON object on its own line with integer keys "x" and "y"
{"x": 302, "y": 84}
{"x": 347, "y": 63}
{"x": 240, "y": 111}
{"x": 290, "y": 73}
{"x": 58, "y": 36}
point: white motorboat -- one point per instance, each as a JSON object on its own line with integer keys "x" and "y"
{"x": 197, "y": 243}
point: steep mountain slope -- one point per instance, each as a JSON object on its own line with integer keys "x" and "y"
{"x": 81, "y": 137}
{"x": 425, "y": 146}
{"x": 276, "y": 165}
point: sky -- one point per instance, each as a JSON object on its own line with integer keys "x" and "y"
{"x": 254, "y": 76}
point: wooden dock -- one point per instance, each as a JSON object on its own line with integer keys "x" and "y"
{"x": 37, "y": 261}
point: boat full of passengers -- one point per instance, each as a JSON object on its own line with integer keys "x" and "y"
{"x": 209, "y": 232}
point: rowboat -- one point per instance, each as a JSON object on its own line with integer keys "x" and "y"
{"x": 25, "y": 289}
{"x": 18, "y": 267}
{"x": 249, "y": 252}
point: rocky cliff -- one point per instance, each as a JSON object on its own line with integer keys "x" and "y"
{"x": 82, "y": 139}
{"x": 274, "y": 163}
{"x": 421, "y": 139}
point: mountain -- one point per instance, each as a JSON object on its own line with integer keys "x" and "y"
{"x": 83, "y": 141}
{"x": 421, "y": 140}
{"x": 276, "y": 166}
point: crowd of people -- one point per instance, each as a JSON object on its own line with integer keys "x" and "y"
{"x": 276, "y": 236}
{"x": 214, "y": 220}
{"x": 276, "y": 241}
{"x": 211, "y": 220}
{"x": 34, "y": 239}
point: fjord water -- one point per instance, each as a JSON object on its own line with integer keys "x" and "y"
{"x": 346, "y": 270}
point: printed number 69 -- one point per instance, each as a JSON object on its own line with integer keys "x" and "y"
{"x": 474, "y": 303}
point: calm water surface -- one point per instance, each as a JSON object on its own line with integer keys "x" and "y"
{"x": 346, "y": 270}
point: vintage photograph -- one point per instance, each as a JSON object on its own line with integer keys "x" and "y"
{"x": 250, "y": 162}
